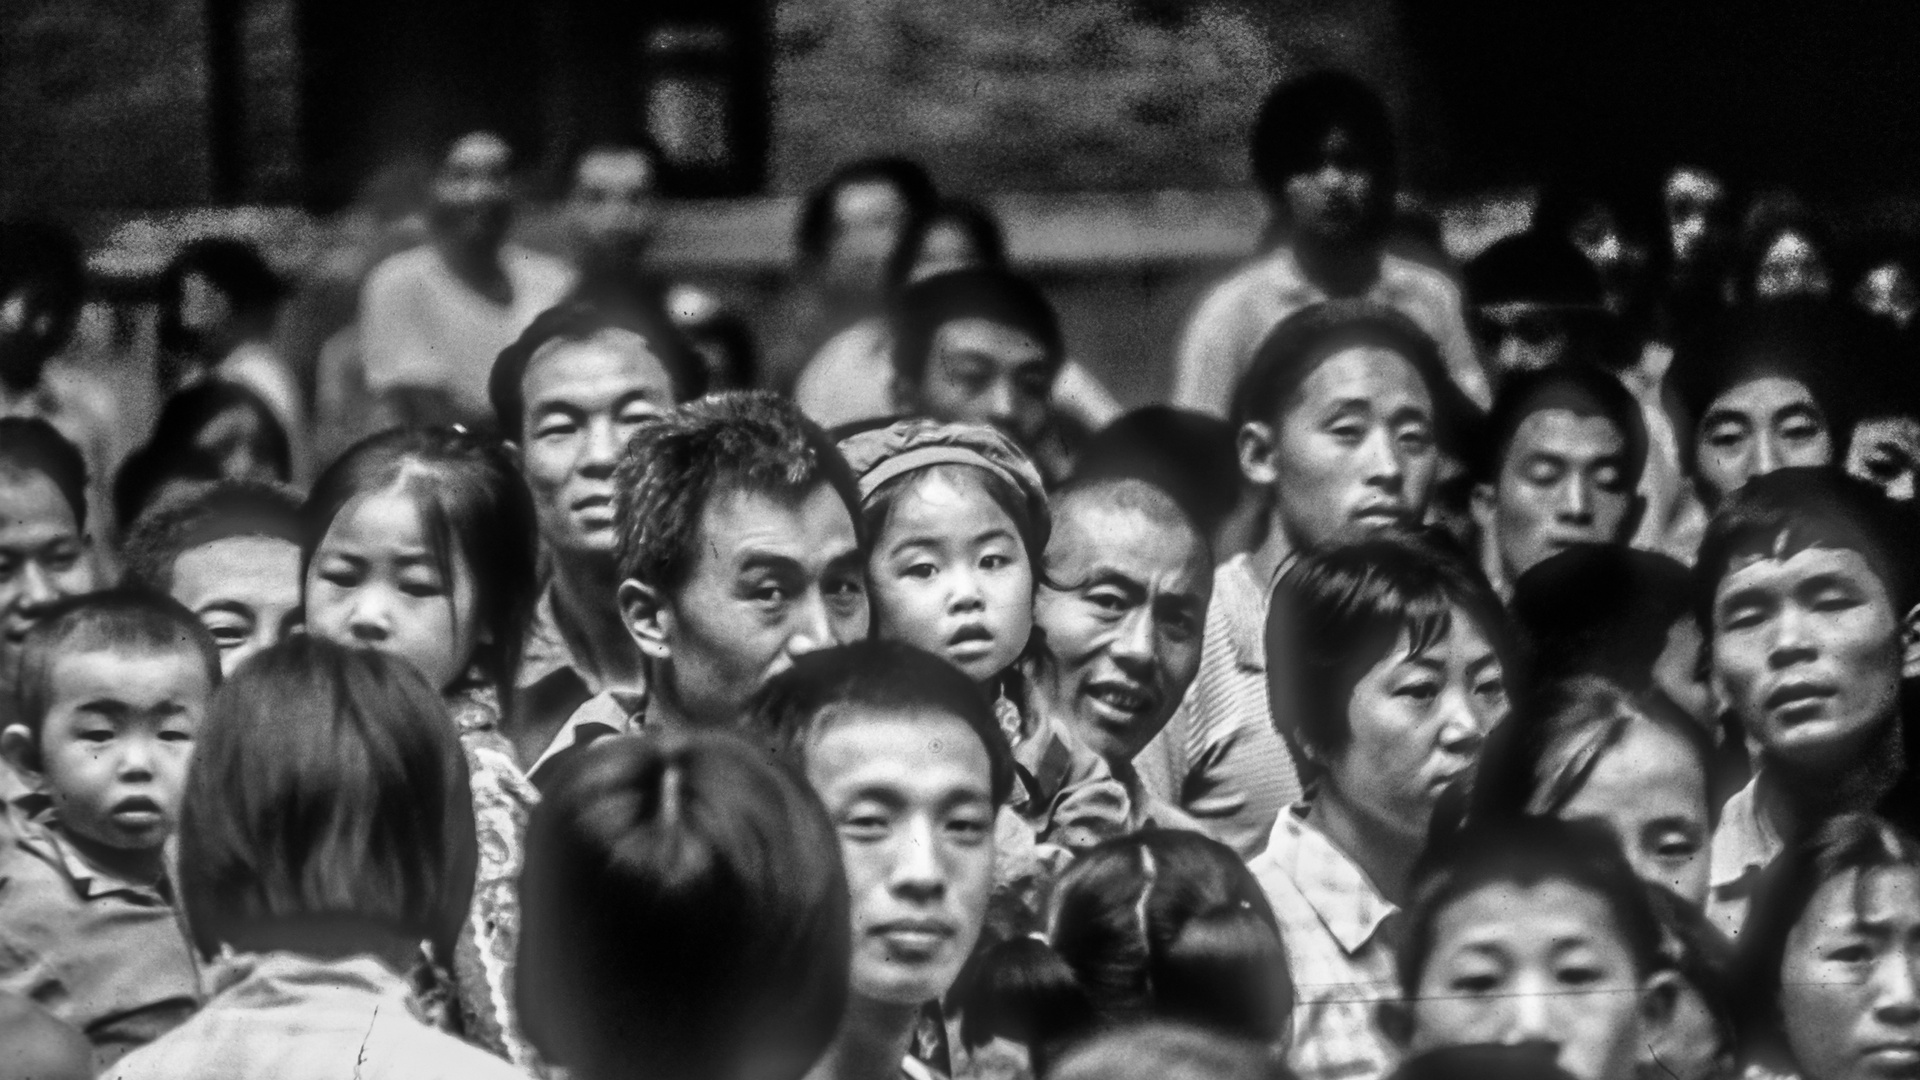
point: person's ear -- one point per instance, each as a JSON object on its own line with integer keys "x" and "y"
{"x": 1395, "y": 1018}
{"x": 1257, "y": 445}
{"x": 1659, "y": 999}
{"x": 22, "y": 751}
{"x": 1910, "y": 644}
{"x": 648, "y": 617}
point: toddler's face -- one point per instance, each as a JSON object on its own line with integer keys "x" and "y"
{"x": 950, "y": 575}
{"x": 115, "y": 743}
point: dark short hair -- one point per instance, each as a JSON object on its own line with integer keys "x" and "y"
{"x": 328, "y": 787}
{"x": 173, "y": 452}
{"x": 1600, "y": 609}
{"x": 997, "y": 296}
{"x": 1161, "y": 924}
{"x": 1533, "y": 267}
{"x": 817, "y": 224}
{"x": 124, "y": 621}
{"x": 1136, "y": 495}
{"x": 792, "y": 707}
{"x": 1582, "y": 388}
{"x": 1338, "y": 612}
{"x": 222, "y": 510}
{"x": 1158, "y": 1050}
{"x": 580, "y": 319}
{"x": 1296, "y": 347}
{"x": 982, "y": 229}
{"x": 1790, "y": 510}
{"x": 1527, "y": 852}
{"x": 1299, "y": 114}
{"x": 235, "y": 267}
{"x": 1188, "y": 454}
{"x": 1849, "y": 843}
{"x": 472, "y": 500}
{"x": 677, "y": 463}
{"x": 29, "y": 446}
{"x": 44, "y": 255}
{"x": 683, "y": 909}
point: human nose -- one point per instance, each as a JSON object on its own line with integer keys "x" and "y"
{"x": 1133, "y": 642}
{"x": 1382, "y": 460}
{"x": 135, "y": 759}
{"x": 37, "y": 589}
{"x": 999, "y": 400}
{"x": 812, "y": 626}
{"x": 1766, "y": 455}
{"x": 918, "y": 873}
{"x": 1576, "y": 501}
{"x": 1896, "y": 991}
{"x": 964, "y": 591}
{"x": 1530, "y": 1015}
{"x": 1460, "y": 727}
{"x": 1791, "y": 638}
{"x": 602, "y": 450}
{"x": 370, "y": 619}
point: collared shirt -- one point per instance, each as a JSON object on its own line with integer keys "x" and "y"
{"x": 1220, "y": 758}
{"x": 294, "y": 1017}
{"x": 107, "y": 956}
{"x": 1743, "y": 845}
{"x": 1237, "y": 315}
{"x": 1334, "y": 924}
{"x": 552, "y": 682}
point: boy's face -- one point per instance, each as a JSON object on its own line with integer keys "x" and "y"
{"x": 1808, "y": 653}
{"x": 911, "y": 797}
{"x": 1752, "y": 429}
{"x": 1563, "y": 481}
{"x": 244, "y": 589}
{"x": 1544, "y": 963}
{"x": 982, "y": 372}
{"x": 43, "y": 556}
{"x": 115, "y": 742}
{"x": 774, "y": 579}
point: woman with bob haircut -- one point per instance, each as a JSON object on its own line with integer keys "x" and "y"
{"x": 1829, "y": 958}
{"x": 326, "y": 833}
{"x": 684, "y": 914}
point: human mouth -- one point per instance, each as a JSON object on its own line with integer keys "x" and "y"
{"x": 915, "y": 939}
{"x": 137, "y": 812}
{"x": 970, "y": 640}
{"x": 1121, "y": 702}
{"x": 1380, "y": 515}
{"x": 1799, "y": 700}
{"x": 1901, "y": 1059}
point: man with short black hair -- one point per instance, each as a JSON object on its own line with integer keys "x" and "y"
{"x": 1534, "y": 301}
{"x": 611, "y": 206}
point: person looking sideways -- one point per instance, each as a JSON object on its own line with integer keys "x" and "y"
{"x": 314, "y": 911}
{"x": 432, "y": 316}
{"x": 113, "y": 688}
{"x": 1341, "y": 425}
{"x": 229, "y": 552}
{"x": 739, "y": 549}
{"x": 1565, "y": 449}
{"x": 1534, "y": 302}
{"x": 1120, "y": 612}
{"x": 1324, "y": 159}
{"x": 1829, "y": 960}
{"x": 906, "y": 754}
{"x": 1388, "y": 657}
{"x": 567, "y": 395}
{"x": 1805, "y": 592}
{"x": 686, "y": 914}
{"x": 1534, "y": 931}
{"x": 46, "y": 553}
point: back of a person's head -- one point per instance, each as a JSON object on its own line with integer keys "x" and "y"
{"x": 677, "y": 463}
{"x": 891, "y": 678}
{"x": 1485, "y": 1061}
{"x": 328, "y": 808}
{"x": 601, "y": 305}
{"x": 1299, "y": 114}
{"x": 234, "y": 267}
{"x": 221, "y": 510}
{"x": 127, "y": 622}
{"x": 1787, "y": 511}
{"x": 983, "y": 231}
{"x": 1159, "y": 925}
{"x": 991, "y": 294}
{"x": 1159, "y": 1050}
{"x": 29, "y": 447}
{"x": 1190, "y": 455}
{"x": 1599, "y": 609}
{"x": 683, "y": 914}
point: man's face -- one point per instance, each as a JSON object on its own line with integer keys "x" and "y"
{"x": 582, "y": 400}
{"x": 1521, "y": 336}
{"x": 611, "y": 203}
{"x": 43, "y": 556}
{"x": 1620, "y": 258}
{"x": 868, "y": 219}
{"x": 774, "y": 579}
{"x": 1807, "y": 652}
{"x": 244, "y": 589}
{"x": 1354, "y": 452}
{"x": 1333, "y": 201}
{"x": 1695, "y": 204}
{"x": 1767, "y": 423}
{"x": 115, "y": 742}
{"x": 981, "y": 372}
{"x": 912, "y": 799}
{"x": 1122, "y": 606}
{"x": 1885, "y": 452}
{"x": 1563, "y": 481}
{"x": 471, "y": 194}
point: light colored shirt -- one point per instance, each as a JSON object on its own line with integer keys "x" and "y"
{"x": 294, "y": 1017}
{"x": 107, "y": 956}
{"x": 1220, "y": 758}
{"x": 1334, "y": 924}
{"x": 1220, "y": 340}
{"x": 1743, "y": 845}
{"x": 423, "y": 327}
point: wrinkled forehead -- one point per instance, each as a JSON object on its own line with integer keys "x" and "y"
{"x": 1801, "y": 552}
{"x": 1131, "y": 533}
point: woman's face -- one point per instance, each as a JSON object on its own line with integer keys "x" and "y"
{"x": 1650, "y": 790}
{"x": 1850, "y": 978}
{"x": 1416, "y": 724}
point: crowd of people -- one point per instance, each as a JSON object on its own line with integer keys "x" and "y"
{"x": 1485, "y": 670}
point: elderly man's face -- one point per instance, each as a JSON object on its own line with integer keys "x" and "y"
{"x": 471, "y": 192}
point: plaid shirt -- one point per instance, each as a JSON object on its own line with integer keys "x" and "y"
{"x": 1333, "y": 922}
{"x": 294, "y": 1017}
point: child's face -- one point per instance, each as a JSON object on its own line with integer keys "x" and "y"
{"x": 950, "y": 576}
{"x": 912, "y": 800}
{"x": 43, "y": 556}
{"x": 115, "y": 742}
{"x": 1544, "y": 963}
{"x": 244, "y": 589}
{"x": 375, "y": 583}
{"x": 1850, "y": 978}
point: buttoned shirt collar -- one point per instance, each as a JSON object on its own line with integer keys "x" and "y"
{"x": 1339, "y": 892}
{"x": 41, "y": 838}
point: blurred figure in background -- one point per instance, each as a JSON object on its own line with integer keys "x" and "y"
{"x": 1888, "y": 284}
{"x": 213, "y": 431}
{"x": 611, "y": 207}
{"x": 1700, "y": 246}
{"x": 1534, "y": 301}
{"x": 1784, "y": 250}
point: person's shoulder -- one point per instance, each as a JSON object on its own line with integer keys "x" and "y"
{"x": 1257, "y": 276}
{"x": 1412, "y": 275}
{"x": 537, "y": 268}
{"x": 39, "y": 1045}
{"x": 400, "y": 269}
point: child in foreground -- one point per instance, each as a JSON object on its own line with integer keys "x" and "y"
{"x": 111, "y": 692}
